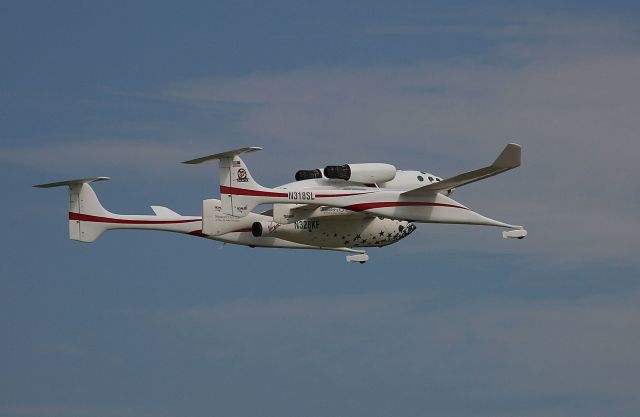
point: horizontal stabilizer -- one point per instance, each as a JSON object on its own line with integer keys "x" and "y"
{"x": 72, "y": 182}
{"x": 222, "y": 155}
{"x": 509, "y": 158}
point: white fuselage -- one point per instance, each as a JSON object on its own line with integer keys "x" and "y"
{"x": 383, "y": 200}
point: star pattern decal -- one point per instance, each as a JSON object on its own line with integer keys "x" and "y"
{"x": 366, "y": 238}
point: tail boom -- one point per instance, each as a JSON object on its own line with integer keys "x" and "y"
{"x": 88, "y": 219}
{"x": 87, "y": 223}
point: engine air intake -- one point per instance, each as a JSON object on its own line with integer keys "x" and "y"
{"x": 308, "y": 174}
{"x": 341, "y": 172}
{"x": 256, "y": 229}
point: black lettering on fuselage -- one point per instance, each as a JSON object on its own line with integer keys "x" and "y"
{"x": 301, "y": 195}
{"x": 308, "y": 225}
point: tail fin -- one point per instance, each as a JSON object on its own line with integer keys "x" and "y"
{"x": 83, "y": 205}
{"x": 236, "y": 182}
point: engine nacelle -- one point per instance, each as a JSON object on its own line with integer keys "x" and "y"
{"x": 375, "y": 173}
{"x": 259, "y": 229}
{"x": 308, "y": 174}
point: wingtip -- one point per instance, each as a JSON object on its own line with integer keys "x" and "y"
{"x": 510, "y": 157}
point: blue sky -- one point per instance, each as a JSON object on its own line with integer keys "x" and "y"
{"x": 452, "y": 321}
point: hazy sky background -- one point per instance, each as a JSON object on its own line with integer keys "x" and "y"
{"x": 452, "y": 321}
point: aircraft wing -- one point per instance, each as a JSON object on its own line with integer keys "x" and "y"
{"x": 509, "y": 158}
{"x": 290, "y": 213}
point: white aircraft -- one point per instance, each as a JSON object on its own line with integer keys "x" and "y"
{"x": 338, "y": 208}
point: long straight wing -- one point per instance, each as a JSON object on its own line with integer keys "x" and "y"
{"x": 509, "y": 158}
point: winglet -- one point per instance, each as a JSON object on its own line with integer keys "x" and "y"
{"x": 227, "y": 154}
{"x": 510, "y": 157}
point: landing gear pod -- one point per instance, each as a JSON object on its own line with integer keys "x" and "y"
{"x": 517, "y": 234}
{"x": 359, "y": 257}
{"x": 364, "y": 173}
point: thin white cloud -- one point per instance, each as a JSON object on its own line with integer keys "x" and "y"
{"x": 490, "y": 349}
{"x": 102, "y": 157}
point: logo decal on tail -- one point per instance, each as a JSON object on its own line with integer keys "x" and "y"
{"x": 242, "y": 175}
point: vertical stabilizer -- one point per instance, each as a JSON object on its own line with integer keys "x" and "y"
{"x": 238, "y": 188}
{"x": 83, "y": 206}
{"x": 235, "y": 176}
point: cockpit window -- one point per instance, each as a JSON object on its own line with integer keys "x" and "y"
{"x": 420, "y": 178}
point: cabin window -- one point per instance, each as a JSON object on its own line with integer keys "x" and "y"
{"x": 430, "y": 179}
{"x": 420, "y": 178}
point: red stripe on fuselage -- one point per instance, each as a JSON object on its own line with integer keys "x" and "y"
{"x": 385, "y": 204}
{"x": 254, "y": 193}
{"x": 342, "y": 195}
{"x": 99, "y": 219}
